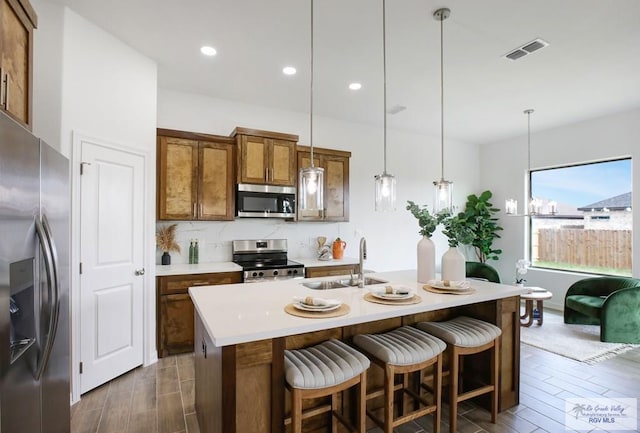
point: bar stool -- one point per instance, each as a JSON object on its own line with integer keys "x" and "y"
{"x": 322, "y": 370}
{"x": 467, "y": 336}
{"x": 402, "y": 351}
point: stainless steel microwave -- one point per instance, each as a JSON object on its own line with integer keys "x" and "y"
{"x": 265, "y": 201}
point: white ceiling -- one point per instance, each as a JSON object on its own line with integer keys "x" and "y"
{"x": 591, "y": 67}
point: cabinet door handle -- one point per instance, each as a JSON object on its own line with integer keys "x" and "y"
{"x": 201, "y": 208}
{"x": 266, "y": 174}
{"x": 139, "y": 272}
{"x": 195, "y": 214}
{"x": 6, "y": 92}
{"x": 2, "y": 87}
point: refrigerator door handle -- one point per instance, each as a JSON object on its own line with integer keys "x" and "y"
{"x": 52, "y": 286}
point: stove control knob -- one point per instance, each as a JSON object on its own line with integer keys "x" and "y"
{"x": 255, "y": 274}
{"x": 295, "y": 271}
{"x": 289, "y": 272}
{"x": 275, "y": 273}
{"x": 261, "y": 273}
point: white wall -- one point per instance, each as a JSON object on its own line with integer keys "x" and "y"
{"x": 88, "y": 82}
{"x": 391, "y": 238}
{"x": 504, "y": 168}
{"x": 47, "y": 74}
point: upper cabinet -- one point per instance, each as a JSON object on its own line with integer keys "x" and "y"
{"x": 265, "y": 157}
{"x": 17, "y": 23}
{"x": 336, "y": 183}
{"x": 195, "y": 175}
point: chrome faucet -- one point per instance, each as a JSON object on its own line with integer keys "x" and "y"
{"x": 363, "y": 256}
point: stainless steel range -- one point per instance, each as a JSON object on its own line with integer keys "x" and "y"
{"x": 265, "y": 259}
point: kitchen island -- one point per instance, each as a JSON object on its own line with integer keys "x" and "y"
{"x": 242, "y": 330}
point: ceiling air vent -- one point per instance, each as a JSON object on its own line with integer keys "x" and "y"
{"x": 526, "y": 49}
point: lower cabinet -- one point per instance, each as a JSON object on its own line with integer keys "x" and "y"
{"x": 331, "y": 271}
{"x": 174, "y": 309}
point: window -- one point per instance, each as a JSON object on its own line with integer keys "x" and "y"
{"x": 585, "y": 221}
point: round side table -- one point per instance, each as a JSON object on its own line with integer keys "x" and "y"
{"x": 536, "y": 294}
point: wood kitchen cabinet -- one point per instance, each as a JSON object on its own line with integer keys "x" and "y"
{"x": 336, "y": 183}
{"x": 17, "y": 23}
{"x": 265, "y": 157}
{"x": 174, "y": 309}
{"x": 331, "y": 271}
{"x": 196, "y": 176}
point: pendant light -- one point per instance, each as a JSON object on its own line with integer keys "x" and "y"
{"x": 444, "y": 188}
{"x": 534, "y": 207}
{"x": 311, "y": 179}
{"x": 385, "y": 182}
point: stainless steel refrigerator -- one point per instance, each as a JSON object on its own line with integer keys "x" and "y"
{"x": 34, "y": 284}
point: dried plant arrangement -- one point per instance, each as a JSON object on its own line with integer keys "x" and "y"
{"x": 166, "y": 239}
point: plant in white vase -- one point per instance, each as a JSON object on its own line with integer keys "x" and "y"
{"x": 457, "y": 232}
{"x": 522, "y": 266}
{"x": 426, "y": 248}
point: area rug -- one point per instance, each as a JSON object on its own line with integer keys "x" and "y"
{"x": 579, "y": 342}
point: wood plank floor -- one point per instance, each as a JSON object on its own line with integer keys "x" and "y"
{"x": 160, "y": 398}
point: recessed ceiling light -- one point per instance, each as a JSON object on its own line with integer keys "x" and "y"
{"x": 355, "y": 86}
{"x": 208, "y": 51}
{"x": 289, "y": 70}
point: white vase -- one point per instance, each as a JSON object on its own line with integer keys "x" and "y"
{"x": 426, "y": 260}
{"x": 453, "y": 265}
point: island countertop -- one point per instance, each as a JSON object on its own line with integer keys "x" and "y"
{"x": 240, "y": 313}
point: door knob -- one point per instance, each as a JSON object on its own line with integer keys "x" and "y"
{"x": 140, "y": 271}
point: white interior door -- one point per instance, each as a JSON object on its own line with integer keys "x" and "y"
{"x": 111, "y": 251}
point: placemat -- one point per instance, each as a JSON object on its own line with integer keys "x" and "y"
{"x": 468, "y": 291}
{"x": 344, "y": 309}
{"x": 415, "y": 300}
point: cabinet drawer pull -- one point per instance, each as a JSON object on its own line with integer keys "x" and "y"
{"x": 201, "y": 283}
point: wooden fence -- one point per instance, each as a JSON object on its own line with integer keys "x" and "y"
{"x": 585, "y": 248}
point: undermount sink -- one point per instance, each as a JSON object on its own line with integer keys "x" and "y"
{"x": 368, "y": 281}
{"x": 324, "y": 285}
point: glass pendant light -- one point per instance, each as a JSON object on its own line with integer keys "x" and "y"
{"x": 311, "y": 179}
{"x": 385, "y": 182}
{"x": 534, "y": 206}
{"x": 443, "y": 188}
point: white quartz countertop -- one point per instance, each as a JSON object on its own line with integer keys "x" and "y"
{"x": 200, "y": 268}
{"x": 315, "y": 263}
{"x": 240, "y": 313}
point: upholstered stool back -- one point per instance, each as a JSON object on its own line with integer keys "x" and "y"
{"x": 322, "y": 370}
{"x": 402, "y": 351}
{"x": 467, "y": 336}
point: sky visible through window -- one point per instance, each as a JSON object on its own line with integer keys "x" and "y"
{"x": 582, "y": 185}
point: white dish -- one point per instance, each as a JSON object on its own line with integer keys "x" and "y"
{"x": 399, "y": 293}
{"x": 453, "y": 285}
{"x": 318, "y": 308}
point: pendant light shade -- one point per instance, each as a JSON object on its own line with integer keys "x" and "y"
{"x": 311, "y": 179}
{"x": 534, "y": 205}
{"x": 443, "y": 188}
{"x": 385, "y": 182}
{"x": 385, "y": 192}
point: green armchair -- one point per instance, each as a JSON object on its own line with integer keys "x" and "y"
{"x": 482, "y": 271}
{"x": 611, "y": 302}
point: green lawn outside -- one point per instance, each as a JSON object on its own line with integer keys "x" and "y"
{"x": 575, "y": 268}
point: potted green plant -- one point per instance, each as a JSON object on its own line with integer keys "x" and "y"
{"x": 426, "y": 248}
{"x": 479, "y": 215}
